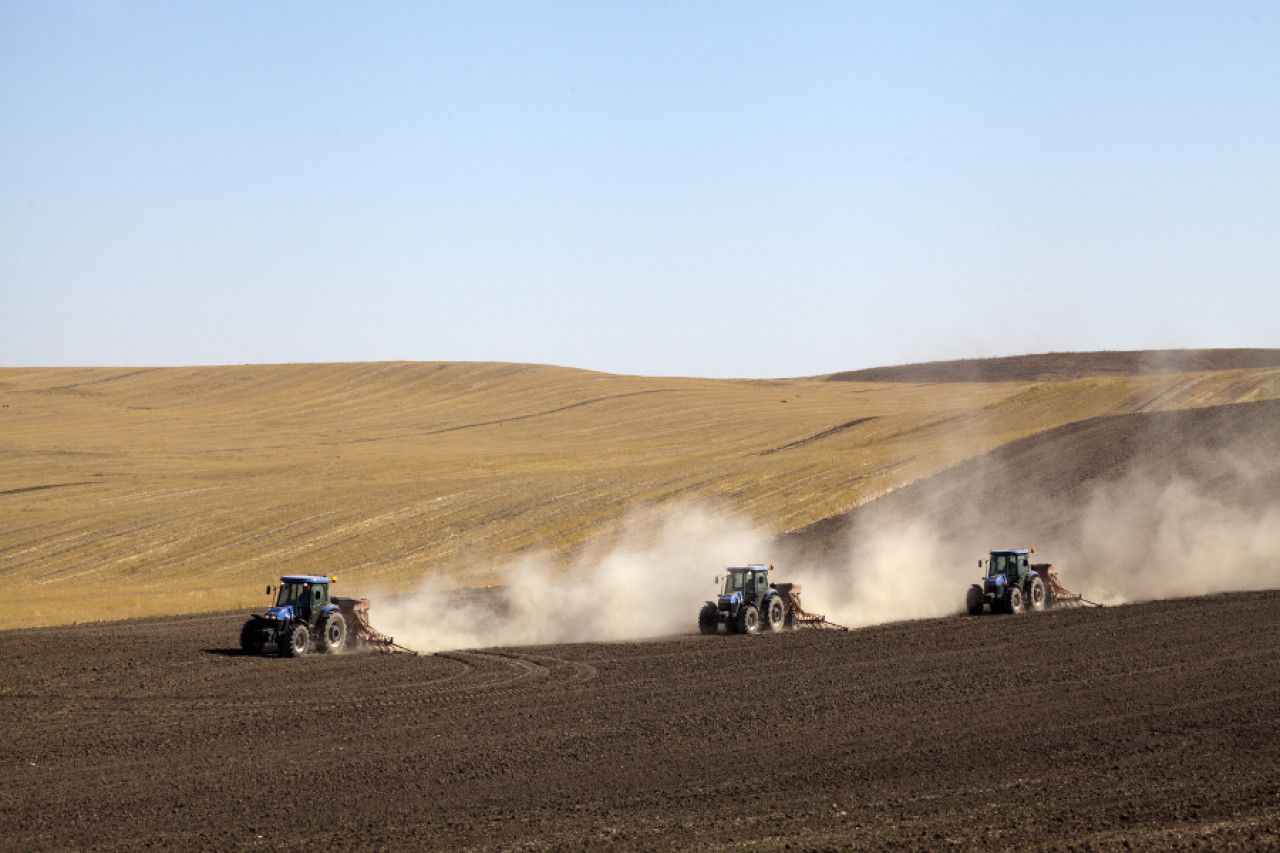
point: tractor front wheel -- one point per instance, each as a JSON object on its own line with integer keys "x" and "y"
{"x": 1014, "y": 603}
{"x": 296, "y": 641}
{"x": 974, "y": 601}
{"x": 777, "y": 614}
{"x": 334, "y": 634}
{"x": 1036, "y": 595}
{"x": 707, "y": 621}
{"x": 748, "y": 620}
{"x": 251, "y": 638}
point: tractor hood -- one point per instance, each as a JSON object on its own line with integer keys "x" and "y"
{"x": 997, "y": 582}
{"x": 284, "y": 614}
{"x": 731, "y": 599}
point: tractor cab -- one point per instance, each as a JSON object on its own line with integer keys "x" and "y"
{"x": 748, "y": 583}
{"x": 302, "y": 597}
{"x": 1008, "y": 564}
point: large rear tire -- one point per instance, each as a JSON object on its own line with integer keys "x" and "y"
{"x": 748, "y": 620}
{"x": 251, "y": 638}
{"x": 707, "y": 621}
{"x": 776, "y": 614}
{"x": 296, "y": 641}
{"x": 1036, "y": 595}
{"x": 333, "y": 636}
{"x": 1013, "y": 604}
{"x": 974, "y": 600}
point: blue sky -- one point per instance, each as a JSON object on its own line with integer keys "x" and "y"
{"x": 702, "y": 189}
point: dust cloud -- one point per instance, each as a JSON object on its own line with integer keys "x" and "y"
{"x": 648, "y": 583}
{"x": 1142, "y": 538}
{"x": 1210, "y": 524}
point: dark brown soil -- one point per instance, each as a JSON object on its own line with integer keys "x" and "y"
{"x": 1154, "y": 726}
{"x": 1066, "y": 365}
{"x": 1033, "y": 491}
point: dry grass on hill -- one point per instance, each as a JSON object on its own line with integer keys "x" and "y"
{"x": 128, "y": 492}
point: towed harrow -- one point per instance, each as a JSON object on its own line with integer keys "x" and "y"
{"x": 798, "y": 617}
{"x": 357, "y": 612}
{"x": 1060, "y": 595}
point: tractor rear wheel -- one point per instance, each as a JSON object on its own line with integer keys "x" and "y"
{"x": 748, "y": 620}
{"x": 333, "y": 636}
{"x": 777, "y": 614}
{"x": 251, "y": 638}
{"x": 1036, "y": 595}
{"x": 973, "y": 600}
{"x": 295, "y": 641}
{"x": 707, "y": 621}
{"x": 1014, "y": 602}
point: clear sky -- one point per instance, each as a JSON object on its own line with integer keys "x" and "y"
{"x": 717, "y": 189}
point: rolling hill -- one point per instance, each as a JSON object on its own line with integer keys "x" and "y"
{"x": 128, "y": 492}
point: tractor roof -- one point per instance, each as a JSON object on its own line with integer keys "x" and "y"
{"x": 303, "y": 579}
{"x": 1018, "y": 551}
{"x": 757, "y": 567}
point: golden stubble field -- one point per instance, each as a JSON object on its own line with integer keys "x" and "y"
{"x": 130, "y": 492}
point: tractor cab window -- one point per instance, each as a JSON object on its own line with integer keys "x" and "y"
{"x": 734, "y": 582}
{"x": 289, "y": 593}
{"x": 1001, "y": 564}
{"x": 319, "y": 596}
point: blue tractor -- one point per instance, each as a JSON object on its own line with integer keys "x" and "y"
{"x": 748, "y": 602}
{"x": 303, "y": 618}
{"x": 1012, "y": 584}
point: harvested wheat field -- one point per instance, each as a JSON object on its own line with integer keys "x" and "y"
{"x": 131, "y": 492}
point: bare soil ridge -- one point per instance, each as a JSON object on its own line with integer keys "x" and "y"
{"x": 1034, "y": 490}
{"x": 1066, "y": 365}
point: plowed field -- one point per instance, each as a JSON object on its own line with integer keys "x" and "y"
{"x": 1154, "y": 725}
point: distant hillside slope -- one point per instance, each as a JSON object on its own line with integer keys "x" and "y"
{"x": 1104, "y": 498}
{"x": 128, "y": 492}
{"x": 1067, "y": 365}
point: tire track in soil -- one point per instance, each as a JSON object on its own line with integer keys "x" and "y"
{"x": 515, "y": 676}
{"x": 581, "y": 670}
